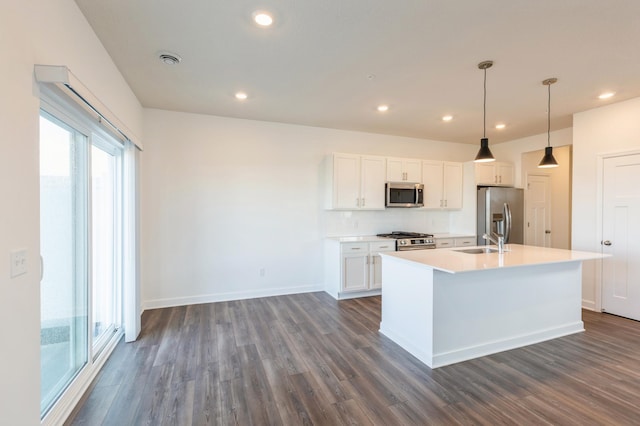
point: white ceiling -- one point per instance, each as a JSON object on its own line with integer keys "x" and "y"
{"x": 314, "y": 66}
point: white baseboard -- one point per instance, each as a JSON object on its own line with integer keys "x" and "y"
{"x": 225, "y": 297}
{"x": 442, "y": 359}
{"x": 589, "y": 305}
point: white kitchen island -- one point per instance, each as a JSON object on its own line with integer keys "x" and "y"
{"x": 445, "y": 306}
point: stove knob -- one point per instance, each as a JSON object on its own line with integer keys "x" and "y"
{"x": 403, "y": 242}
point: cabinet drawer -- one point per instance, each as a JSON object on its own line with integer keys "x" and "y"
{"x": 445, "y": 242}
{"x": 467, "y": 241}
{"x": 383, "y": 246}
{"x": 355, "y": 248}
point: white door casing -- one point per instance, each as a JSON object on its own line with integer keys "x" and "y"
{"x": 621, "y": 236}
{"x": 538, "y": 216}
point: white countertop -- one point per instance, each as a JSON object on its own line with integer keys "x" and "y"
{"x": 453, "y": 261}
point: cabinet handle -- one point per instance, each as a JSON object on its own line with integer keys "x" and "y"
{"x": 363, "y": 203}
{"x": 501, "y": 179}
{"x": 495, "y": 179}
{"x": 355, "y": 248}
{"x": 445, "y": 203}
{"x": 384, "y": 246}
{"x": 606, "y": 242}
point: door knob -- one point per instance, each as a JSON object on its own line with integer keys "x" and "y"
{"x": 547, "y": 231}
{"x": 606, "y": 242}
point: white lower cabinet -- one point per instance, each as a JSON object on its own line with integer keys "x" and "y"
{"x": 354, "y": 269}
{"x": 455, "y": 242}
{"x": 465, "y": 241}
{"x": 445, "y": 242}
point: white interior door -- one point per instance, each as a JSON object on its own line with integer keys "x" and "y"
{"x": 621, "y": 236}
{"x": 538, "y": 216}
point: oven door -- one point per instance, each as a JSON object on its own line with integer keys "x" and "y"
{"x": 402, "y": 194}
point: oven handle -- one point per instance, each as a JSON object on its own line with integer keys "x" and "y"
{"x": 429, "y": 247}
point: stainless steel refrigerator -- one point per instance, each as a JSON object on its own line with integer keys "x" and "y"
{"x": 501, "y": 210}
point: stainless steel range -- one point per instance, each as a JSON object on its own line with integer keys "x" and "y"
{"x": 411, "y": 240}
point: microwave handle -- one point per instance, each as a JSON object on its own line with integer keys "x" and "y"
{"x": 417, "y": 192}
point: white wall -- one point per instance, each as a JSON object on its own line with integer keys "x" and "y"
{"x": 45, "y": 32}
{"x": 224, "y": 198}
{"x": 601, "y": 131}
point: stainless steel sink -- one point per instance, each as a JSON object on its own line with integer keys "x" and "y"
{"x": 478, "y": 250}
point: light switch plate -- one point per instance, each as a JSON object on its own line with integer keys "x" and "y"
{"x": 18, "y": 262}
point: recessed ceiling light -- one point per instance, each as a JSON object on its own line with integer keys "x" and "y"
{"x": 447, "y": 118}
{"x": 263, "y": 19}
{"x": 241, "y": 96}
{"x": 606, "y": 95}
{"x": 500, "y": 126}
{"x": 383, "y": 108}
{"x": 169, "y": 58}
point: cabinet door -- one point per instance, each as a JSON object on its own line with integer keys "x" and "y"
{"x": 346, "y": 181}
{"x": 506, "y": 175}
{"x": 395, "y": 171}
{"x": 372, "y": 182}
{"x": 432, "y": 180}
{"x": 445, "y": 242}
{"x": 452, "y": 186}
{"x": 375, "y": 268}
{"x": 486, "y": 174}
{"x": 465, "y": 241}
{"x": 413, "y": 170}
{"x": 355, "y": 276}
{"x": 375, "y": 280}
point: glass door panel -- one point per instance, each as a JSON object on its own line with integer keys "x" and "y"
{"x": 63, "y": 294}
{"x": 104, "y": 239}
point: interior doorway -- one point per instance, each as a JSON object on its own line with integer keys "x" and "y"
{"x": 621, "y": 236}
{"x": 538, "y": 211}
{"x": 557, "y": 211}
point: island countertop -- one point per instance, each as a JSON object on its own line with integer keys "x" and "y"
{"x": 455, "y": 261}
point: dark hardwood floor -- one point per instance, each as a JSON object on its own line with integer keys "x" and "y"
{"x": 308, "y": 359}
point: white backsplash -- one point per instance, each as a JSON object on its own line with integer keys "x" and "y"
{"x": 356, "y": 223}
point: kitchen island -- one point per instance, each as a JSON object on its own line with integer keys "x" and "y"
{"x": 450, "y": 305}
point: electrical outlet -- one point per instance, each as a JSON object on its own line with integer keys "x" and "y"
{"x": 18, "y": 262}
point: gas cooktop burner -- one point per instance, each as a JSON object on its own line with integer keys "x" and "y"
{"x": 403, "y": 234}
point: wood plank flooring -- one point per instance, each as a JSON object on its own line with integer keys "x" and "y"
{"x": 308, "y": 359}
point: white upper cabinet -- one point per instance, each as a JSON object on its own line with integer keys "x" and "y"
{"x": 442, "y": 184}
{"x": 404, "y": 170}
{"x": 495, "y": 173}
{"x": 372, "y": 172}
{"x": 357, "y": 182}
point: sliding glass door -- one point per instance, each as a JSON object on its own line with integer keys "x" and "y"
{"x": 81, "y": 247}
{"x": 105, "y": 241}
{"x": 63, "y": 242}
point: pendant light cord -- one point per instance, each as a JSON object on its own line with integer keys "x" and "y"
{"x": 549, "y": 117}
{"x": 484, "y": 107}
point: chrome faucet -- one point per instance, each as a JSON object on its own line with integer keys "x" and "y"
{"x": 498, "y": 240}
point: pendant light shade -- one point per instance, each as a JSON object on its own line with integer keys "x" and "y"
{"x": 484, "y": 154}
{"x": 548, "y": 161}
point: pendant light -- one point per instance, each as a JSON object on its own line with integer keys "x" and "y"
{"x": 548, "y": 161}
{"x": 484, "y": 154}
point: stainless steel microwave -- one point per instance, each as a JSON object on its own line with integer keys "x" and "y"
{"x": 404, "y": 194}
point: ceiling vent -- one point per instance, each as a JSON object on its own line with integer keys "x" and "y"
{"x": 169, "y": 58}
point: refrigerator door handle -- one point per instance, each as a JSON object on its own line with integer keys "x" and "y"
{"x": 507, "y": 222}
